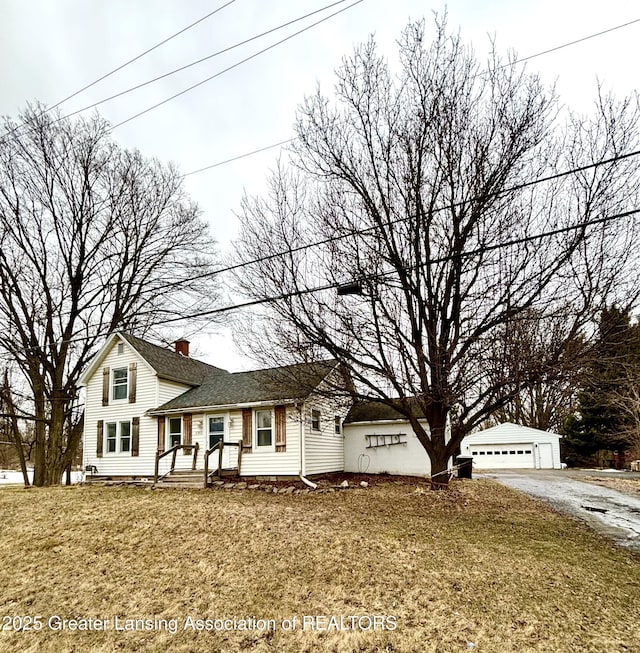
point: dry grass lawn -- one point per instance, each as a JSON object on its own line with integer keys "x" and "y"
{"x": 479, "y": 565}
{"x": 628, "y": 485}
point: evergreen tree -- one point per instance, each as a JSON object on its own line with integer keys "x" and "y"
{"x": 599, "y": 423}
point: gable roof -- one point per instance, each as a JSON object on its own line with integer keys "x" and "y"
{"x": 377, "y": 411}
{"x": 165, "y": 362}
{"x": 510, "y": 429}
{"x": 172, "y": 366}
{"x": 274, "y": 384}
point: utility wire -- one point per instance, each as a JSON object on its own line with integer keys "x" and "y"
{"x": 125, "y": 64}
{"x": 335, "y": 285}
{"x": 581, "y": 40}
{"x": 235, "y": 65}
{"x": 236, "y": 158}
{"x": 356, "y": 232}
{"x": 198, "y": 61}
{"x": 443, "y": 259}
{"x": 517, "y": 61}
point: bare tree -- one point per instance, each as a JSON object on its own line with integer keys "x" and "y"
{"x": 626, "y": 402}
{"x": 547, "y": 361}
{"x": 10, "y": 415}
{"x": 94, "y": 238}
{"x": 415, "y": 189}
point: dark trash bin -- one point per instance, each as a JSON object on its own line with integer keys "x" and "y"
{"x": 465, "y": 466}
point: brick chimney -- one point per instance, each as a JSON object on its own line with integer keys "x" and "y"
{"x": 182, "y": 347}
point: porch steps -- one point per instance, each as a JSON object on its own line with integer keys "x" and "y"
{"x": 187, "y": 478}
{"x": 182, "y": 478}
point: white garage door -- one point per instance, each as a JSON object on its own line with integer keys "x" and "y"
{"x": 502, "y": 456}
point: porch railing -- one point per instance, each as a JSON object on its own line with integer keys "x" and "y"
{"x": 219, "y": 447}
{"x": 173, "y": 451}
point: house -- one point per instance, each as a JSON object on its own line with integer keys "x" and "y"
{"x": 379, "y": 440}
{"x": 512, "y": 446}
{"x": 143, "y": 400}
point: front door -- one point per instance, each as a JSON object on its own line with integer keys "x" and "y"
{"x": 216, "y": 432}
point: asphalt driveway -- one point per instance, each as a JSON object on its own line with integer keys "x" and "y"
{"x": 608, "y": 511}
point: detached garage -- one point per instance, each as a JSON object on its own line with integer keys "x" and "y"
{"x": 511, "y": 446}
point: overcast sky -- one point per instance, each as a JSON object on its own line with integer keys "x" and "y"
{"x": 51, "y": 48}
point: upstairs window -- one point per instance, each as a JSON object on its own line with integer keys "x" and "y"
{"x": 337, "y": 425}
{"x": 120, "y": 384}
{"x": 315, "y": 420}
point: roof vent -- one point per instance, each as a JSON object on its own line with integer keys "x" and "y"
{"x": 182, "y": 347}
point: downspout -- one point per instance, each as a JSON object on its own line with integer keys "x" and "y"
{"x": 306, "y": 481}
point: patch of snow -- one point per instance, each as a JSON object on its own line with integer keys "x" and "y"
{"x": 13, "y": 477}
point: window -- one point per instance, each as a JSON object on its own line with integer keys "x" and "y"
{"x": 216, "y": 430}
{"x": 112, "y": 437}
{"x": 337, "y": 425}
{"x": 175, "y": 431}
{"x": 125, "y": 436}
{"x": 118, "y": 431}
{"x": 315, "y": 420}
{"x": 119, "y": 383}
{"x": 120, "y": 348}
{"x": 264, "y": 429}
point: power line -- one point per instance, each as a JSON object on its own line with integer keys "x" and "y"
{"x": 241, "y": 156}
{"x": 532, "y": 56}
{"x": 581, "y": 40}
{"x": 336, "y": 285}
{"x": 198, "y": 61}
{"x": 443, "y": 259}
{"x": 357, "y": 232}
{"x": 126, "y": 63}
{"x": 239, "y": 63}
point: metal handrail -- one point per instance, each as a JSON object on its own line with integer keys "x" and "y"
{"x": 174, "y": 450}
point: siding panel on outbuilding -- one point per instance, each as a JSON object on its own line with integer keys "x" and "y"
{"x": 512, "y": 446}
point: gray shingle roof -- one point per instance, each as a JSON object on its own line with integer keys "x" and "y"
{"x": 275, "y": 384}
{"x": 376, "y": 411}
{"x": 169, "y": 365}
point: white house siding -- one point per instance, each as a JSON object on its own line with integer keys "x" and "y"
{"x": 270, "y": 463}
{"x": 167, "y": 390}
{"x": 324, "y": 448}
{"x": 150, "y": 392}
{"x": 511, "y": 446}
{"x": 121, "y": 464}
{"x": 400, "y": 451}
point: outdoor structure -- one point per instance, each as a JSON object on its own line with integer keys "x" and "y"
{"x": 150, "y": 411}
{"x": 379, "y": 440}
{"x": 512, "y": 446}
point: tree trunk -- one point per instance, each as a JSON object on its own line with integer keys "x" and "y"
{"x": 55, "y": 445}
{"x": 439, "y": 454}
